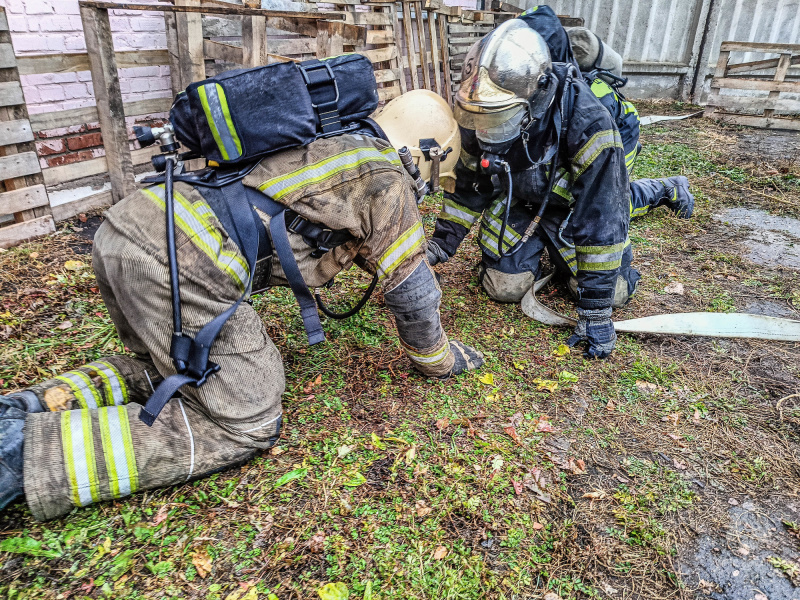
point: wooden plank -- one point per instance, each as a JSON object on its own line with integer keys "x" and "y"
{"x": 216, "y": 9}
{"x": 361, "y": 18}
{"x": 423, "y": 48}
{"x": 435, "y": 50}
{"x": 292, "y": 25}
{"x": 388, "y": 93}
{"x": 19, "y": 165}
{"x": 23, "y": 199}
{"x": 378, "y": 36}
{"x": 224, "y": 52}
{"x": 780, "y": 74}
{"x": 90, "y": 168}
{"x": 173, "y": 50}
{"x": 254, "y": 41}
{"x": 766, "y": 85}
{"x": 447, "y": 92}
{"x": 15, "y": 132}
{"x": 387, "y": 75}
{"x": 722, "y": 68}
{"x": 762, "y": 122}
{"x": 71, "y": 63}
{"x": 411, "y": 57}
{"x": 190, "y": 43}
{"x": 758, "y": 65}
{"x": 760, "y": 47}
{"x": 110, "y": 109}
{"x": 456, "y": 28}
{"x": 380, "y": 54}
{"x": 295, "y": 46}
{"x": 734, "y": 103}
{"x": 3, "y": 20}
{"x": 95, "y": 202}
{"x": 88, "y": 114}
{"x": 21, "y": 232}
{"x": 6, "y": 56}
{"x": 398, "y": 35}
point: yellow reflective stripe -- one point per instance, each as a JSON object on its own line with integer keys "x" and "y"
{"x": 203, "y": 234}
{"x": 430, "y": 358}
{"x": 639, "y": 211}
{"x": 490, "y": 229}
{"x": 278, "y": 187}
{"x": 218, "y": 116}
{"x": 563, "y": 184}
{"x": 608, "y": 138}
{"x": 458, "y": 213}
{"x": 116, "y": 380}
{"x": 223, "y": 100}
{"x": 79, "y": 458}
{"x": 400, "y": 250}
{"x": 82, "y": 388}
{"x": 201, "y": 91}
{"x": 600, "y": 258}
{"x": 602, "y": 249}
{"x": 469, "y": 161}
{"x": 118, "y": 450}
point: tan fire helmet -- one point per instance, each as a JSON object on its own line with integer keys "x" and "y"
{"x": 419, "y": 120}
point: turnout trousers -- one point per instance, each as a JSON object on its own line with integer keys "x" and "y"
{"x": 508, "y": 280}
{"x": 89, "y": 444}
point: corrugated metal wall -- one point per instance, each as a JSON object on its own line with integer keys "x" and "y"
{"x": 662, "y": 41}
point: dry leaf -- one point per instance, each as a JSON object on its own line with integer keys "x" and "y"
{"x": 317, "y": 543}
{"x": 516, "y": 419}
{"x": 64, "y": 326}
{"x": 645, "y": 387}
{"x": 537, "y": 526}
{"x": 696, "y": 417}
{"x": 546, "y": 384}
{"x": 442, "y": 423}
{"x": 551, "y": 596}
{"x": 74, "y": 265}
{"x": 312, "y": 384}
{"x": 33, "y": 255}
{"x": 512, "y": 432}
{"x": 517, "y": 487}
{"x": 576, "y": 467}
{"x": 161, "y": 515}
{"x": 202, "y": 562}
{"x": 543, "y": 425}
{"x": 82, "y": 217}
{"x": 611, "y": 406}
{"x": 440, "y": 553}
{"x": 598, "y": 495}
{"x": 487, "y": 379}
{"x": 422, "y": 509}
{"x": 676, "y": 288}
{"x": 681, "y": 466}
{"x": 562, "y": 350}
{"x": 276, "y": 451}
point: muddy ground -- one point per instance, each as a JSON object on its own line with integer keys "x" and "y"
{"x": 671, "y": 470}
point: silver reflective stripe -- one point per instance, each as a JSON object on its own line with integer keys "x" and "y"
{"x": 452, "y": 212}
{"x": 118, "y": 450}
{"x": 601, "y": 140}
{"x": 401, "y": 249}
{"x": 433, "y": 358}
{"x": 601, "y": 258}
{"x": 112, "y": 377}
{"x": 84, "y": 479}
{"x": 82, "y": 387}
{"x": 220, "y": 122}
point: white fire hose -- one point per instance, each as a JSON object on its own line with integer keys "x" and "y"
{"x": 729, "y": 325}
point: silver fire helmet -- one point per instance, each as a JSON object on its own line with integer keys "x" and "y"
{"x": 504, "y": 73}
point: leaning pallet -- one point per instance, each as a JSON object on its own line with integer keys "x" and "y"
{"x": 23, "y": 197}
{"x": 768, "y": 75}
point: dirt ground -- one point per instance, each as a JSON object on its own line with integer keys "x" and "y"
{"x": 670, "y": 470}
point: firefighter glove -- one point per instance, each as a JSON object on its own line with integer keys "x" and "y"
{"x": 467, "y": 358}
{"x": 597, "y": 329}
{"x": 435, "y": 253}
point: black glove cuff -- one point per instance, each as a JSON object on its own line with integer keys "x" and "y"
{"x": 595, "y": 298}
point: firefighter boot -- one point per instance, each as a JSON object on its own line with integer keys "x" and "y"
{"x": 678, "y": 198}
{"x": 12, "y": 424}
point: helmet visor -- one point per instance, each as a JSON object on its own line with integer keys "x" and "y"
{"x": 504, "y": 132}
{"x": 485, "y": 120}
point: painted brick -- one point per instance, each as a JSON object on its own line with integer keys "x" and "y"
{"x": 139, "y": 85}
{"x": 75, "y": 43}
{"x": 53, "y": 133}
{"x": 98, "y": 152}
{"x": 52, "y": 93}
{"x": 73, "y": 91}
{"x": 56, "y": 23}
{"x": 39, "y": 7}
{"x": 68, "y": 159}
{"x": 87, "y": 140}
{"x": 50, "y": 147}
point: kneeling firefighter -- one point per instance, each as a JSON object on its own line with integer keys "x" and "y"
{"x": 297, "y": 196}
{"x": 601, "y": 68}
{"x": 534, "y": 129}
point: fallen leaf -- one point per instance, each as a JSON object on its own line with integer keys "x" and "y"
{"x": 312, "y": 384}
{"x": 674, "y": 418}
{"x": 494, "y": 397}
{"x": 291, "y": 476}
{"x": 411, "y": 454}
{"x": 696, "y": 417}
{"x": 487, "y": 379}
{"x": 681, "y": 466}
{"x": 64, "y": 326}
{"x": 551, "y": 596}
{"x": 512, "y": 432}
{"x": 543, "y": 425}
{"x": 27, "y": 545}
{"x": 334, "y": 591}
{"x": 576, "y": 467}
{"x": 497, "y": 462}
{"x": 610, "y": 406}
{"x": 442, "y": 423}
{"x": 202, "y": 562}
{"x": 33, "y": 255}
{"x": 516, "y": 419}
{"x": 276, "y": 451}
{"x": 247, "y": 593}
{"x": 675, "y": 287}
{"x": 519, "y": 366}
{"x": 440, "y": 553}
{"x": 567, "y": 377}
{"x": 356, "y": 479}
{"x": 422, "y": 509}
{"x": 317, "y": 543}
{"x": 562, "y": 350}
{"x": 537, "y": 526}
{"x": 74, "y": 265}
{"x": 645, "y": 387}
{"x": 597, "y": 495}
{"x": 546, "y": 384}
{"x": 161, "y": 515}
{"x": 376, "y": 441}
{"x": 517, "y": 487}
{"x": 82, "y": 217}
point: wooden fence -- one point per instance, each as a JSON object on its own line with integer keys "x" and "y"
{"x": 23, "y": 199}
{"x": 758, "y": 111}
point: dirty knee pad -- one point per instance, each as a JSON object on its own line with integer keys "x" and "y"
{"x": 505, "y": 287}
{"x": 625, "y": 287}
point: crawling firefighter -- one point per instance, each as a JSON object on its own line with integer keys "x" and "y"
{"x": 343, "y": 197}
{"x": 542, "y": 166}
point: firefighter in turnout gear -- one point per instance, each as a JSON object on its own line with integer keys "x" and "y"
{"x": 542, "y": 166}
{"x": 601, "y": 67}
{"x": 84, "y": 441}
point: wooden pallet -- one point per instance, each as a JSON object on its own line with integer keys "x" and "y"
{"x": 22, "y": 193}
{"x": 757, "y": 111}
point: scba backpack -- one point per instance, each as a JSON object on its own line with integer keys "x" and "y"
{"x": 248, "y": 113}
